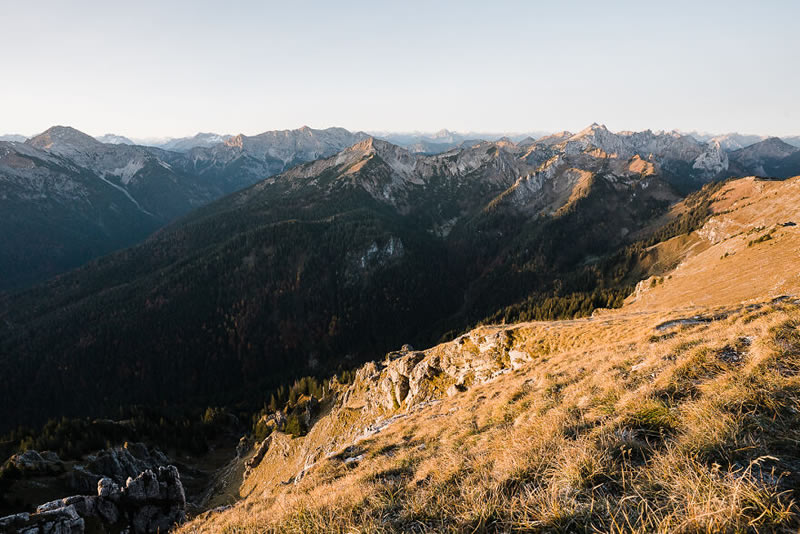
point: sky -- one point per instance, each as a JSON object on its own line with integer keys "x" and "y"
{"x": 174, "y": 68}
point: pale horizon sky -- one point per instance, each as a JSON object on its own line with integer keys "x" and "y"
{"x": 169, "y": 69}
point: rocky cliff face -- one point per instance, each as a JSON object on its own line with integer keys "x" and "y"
{"x": 288, "y": 146}
{"x": 269, "y": 153}
{"x": 713, "y": 160}
{"x": 671, "y": 151}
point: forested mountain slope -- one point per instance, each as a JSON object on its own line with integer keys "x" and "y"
{"x": 66, "y": 198}
{"x": 333, "y": 262}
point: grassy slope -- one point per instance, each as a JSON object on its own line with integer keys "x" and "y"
{"x": 725, "y": 262}
{"x": 621, "y": 422}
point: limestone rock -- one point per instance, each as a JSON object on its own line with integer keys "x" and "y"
{"x": 153, "y": 501}
{"x": 262, "y": 449}
{"x": 35, "y": 463}
{"x": 63, "y": 520}
{"x": 118, "y": 464}
{"x": 142, "y": 488}
{"x": 107, "y": 488}
{"x": 242, "y": 446}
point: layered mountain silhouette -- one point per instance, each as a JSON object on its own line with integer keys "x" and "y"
{"x": 66, "y": 197}
{"x": 323, "y": 265}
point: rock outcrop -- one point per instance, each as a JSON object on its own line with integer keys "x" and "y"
{"x": 34, "y": 463}
{"x": 152, "y": 502}
{"x": 65, "y": 520}
{"x": 408, "y": 378}
{"x": 261, "y": 450}
{"x": 116, "y": 463}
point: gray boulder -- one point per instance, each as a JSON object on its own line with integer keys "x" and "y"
{"x": 63, "y": 520}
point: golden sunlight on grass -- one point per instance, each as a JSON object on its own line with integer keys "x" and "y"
{"x": 614, "y": 427}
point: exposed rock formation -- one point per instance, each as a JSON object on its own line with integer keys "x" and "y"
{"x": 152, "y": 502}
{"x": 117, "y": 463}
{"x": 261, "y": 450}
{"x": 382, "y": 393}
{"x": 408, "y": 378}
{"x": 62, "y": 521}
{"x": 33, "y": 463}
{"x": 714, "y": 160}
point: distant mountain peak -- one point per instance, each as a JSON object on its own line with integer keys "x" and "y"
{"x": 63, "y": 140}
{"x": 592, "y": 128}
{"x": 778, "y": 142}
{"x": 62, "y": 134}
{"x": 373, "y": 145}
{"x": 595, "y": 135}
{"x": 114, "y": 139}
{"x": 770, "y": 147}
{"x": 15, "y": 138}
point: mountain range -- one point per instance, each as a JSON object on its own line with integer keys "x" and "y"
{"x": 326, "y": 263}
{"x": 67, "y": 198}
{"x": 735, "y": 141}
{"x": 272, "y": 278}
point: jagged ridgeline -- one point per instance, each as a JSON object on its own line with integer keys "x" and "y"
{"x": 66, "y": 197}
{"x": 335, "y": 262}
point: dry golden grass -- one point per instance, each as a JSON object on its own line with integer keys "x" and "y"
{"x": 615, "y": 427}
{"x": 724, "y": 263}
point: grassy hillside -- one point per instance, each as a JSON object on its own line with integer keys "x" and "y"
{"x": 615, "y": 425}
{"x": 668, "y": 415}
{"x": 748, "y": 250}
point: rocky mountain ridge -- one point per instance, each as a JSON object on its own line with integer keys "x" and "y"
{"x": 496, "y": 221}
{"x": 414, "y": 246}
{"x": 770, "y": 157}
{"x": 113, "y": 139}
{"x": 68, "y": 197}
{"x": 201, "y": 139}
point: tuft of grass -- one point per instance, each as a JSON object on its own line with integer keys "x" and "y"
{"x": 652, "y": 416}
{"x": 761, "y": 239}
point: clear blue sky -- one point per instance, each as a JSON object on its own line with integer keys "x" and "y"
{"x": 147, "y": 68}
